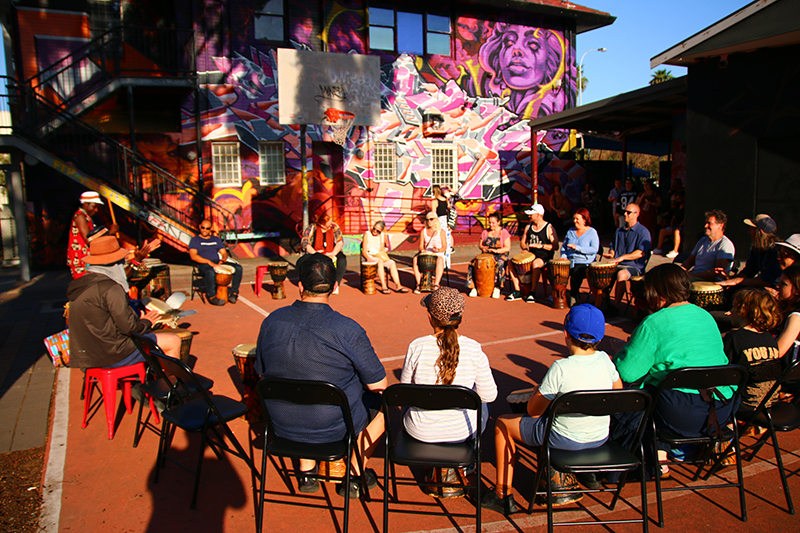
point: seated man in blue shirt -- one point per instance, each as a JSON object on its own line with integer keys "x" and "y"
{"x": 207, "y": 251}
{"x": 629, "y": 250}
{"x": 309, "y": 340}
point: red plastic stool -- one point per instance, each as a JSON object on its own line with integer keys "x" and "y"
{"x": 261, "y": 270}
{"x": 109, "y": 379}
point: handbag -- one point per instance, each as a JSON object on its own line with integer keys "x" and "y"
{"x": 58, "y": 348}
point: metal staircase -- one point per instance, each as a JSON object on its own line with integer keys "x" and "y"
{"x": 45, "y": 125}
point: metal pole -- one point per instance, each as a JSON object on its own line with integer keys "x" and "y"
{"x": 20, "y": 220}
{"x": 304, "y": 174}
{"x": 534, "y": 168}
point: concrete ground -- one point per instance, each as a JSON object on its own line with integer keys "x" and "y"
{"x": 93, "y": 484}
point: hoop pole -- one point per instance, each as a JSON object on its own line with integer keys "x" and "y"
{"x": 304, "y": 174}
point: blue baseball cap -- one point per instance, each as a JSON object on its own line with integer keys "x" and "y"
{"x": 585, "y": 323}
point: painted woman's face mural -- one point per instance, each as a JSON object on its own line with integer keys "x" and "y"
{"x": 523, "y": 57}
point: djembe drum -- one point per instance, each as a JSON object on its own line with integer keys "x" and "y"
{"x": 245, "y": 357}
{"x": 277, "y": 272}
{"x": 224, "y": 276}
{"x": 558, "y": 274}
{"x": 186, "y": 341}
{"x": 369, "y": 270}
{"x": 706, "y": 294}
{"x": 523, "y": 264}
{"x": 637, "y": 293}
{"x": 601, "y": 278}
{"x": 518, "y": 400}
{"x": 426, "y": 263}
{"x": 483, "y": 269}
{"x": 151, "y": 279}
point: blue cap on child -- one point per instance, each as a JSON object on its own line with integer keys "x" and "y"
{"x": 585, "y": 323}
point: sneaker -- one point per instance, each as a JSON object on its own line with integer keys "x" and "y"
{"x": 232, "y": 297}
{"x": 473, "y": 293}
{"x": 216, "y": 301}
{"x": 530, "y": 299}
{"x": 500, "y": 505}
{"x": 672, "y": 255}
{"x": 496, "y": 293}
{"x": 336, "y": 290}
{"x": 307, "y": 482}
{"x": 514, "y": 296}
{"x": 354, "y": 491}
{"x": 657, "y": 251}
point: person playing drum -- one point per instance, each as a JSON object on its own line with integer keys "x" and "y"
{"x": 373, "y": 249}
{"x": 432, "y": 240}
{"x": 541, "y": 240}
{"x": 496, "y": 241}
{"x": 207, "y": 251}
{"x": 629, "y": 250}
{"x": 580, "y": 247}
{"x": 325, "y": 237}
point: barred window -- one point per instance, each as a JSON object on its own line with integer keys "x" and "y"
{"x": 227, "y": 169}
{"x": 385, "y": 159}
{"x": 443, "y": 171}
{"x": 272, "y": 170}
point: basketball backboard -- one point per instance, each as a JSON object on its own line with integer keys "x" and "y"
{"x": 311, "y": 83}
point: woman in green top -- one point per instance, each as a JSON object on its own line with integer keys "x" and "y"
{"x": 676, "y": 335}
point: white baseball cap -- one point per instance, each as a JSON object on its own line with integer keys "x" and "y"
{"x": 792, "y": 243}
{"x": 537, "y": 209}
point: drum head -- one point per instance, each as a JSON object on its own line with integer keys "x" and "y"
{"x": 705, "y": 286}
{"x": 245, "y": 350}
{"x": 224, "y": 269}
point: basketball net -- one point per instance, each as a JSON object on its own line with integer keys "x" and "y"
{"x": 340, "y": 122}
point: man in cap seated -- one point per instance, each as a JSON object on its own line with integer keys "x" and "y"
{"x": 309, "y": 340}
{"x": 763, "y": 267}
{"x": 101, "y": 319}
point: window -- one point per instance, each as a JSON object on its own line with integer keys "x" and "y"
{"x": 272, "y": 171}
{"x": 269, "y": 20}
{"x": 385, "y": 160}
{"x": 443, "y": 166}
{"x": 227, "y": 170}
{"x": 407, "y": 32}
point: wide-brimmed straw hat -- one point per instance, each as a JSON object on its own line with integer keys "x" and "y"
{"x": 104, "y": 251}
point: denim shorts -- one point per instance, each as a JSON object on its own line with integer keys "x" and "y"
{"x": 532, "y": 432}
{"x": 135, "y": 356}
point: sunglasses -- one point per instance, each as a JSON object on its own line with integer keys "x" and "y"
{"x": 205, "y": 227}
{"x": 630, "y": 212}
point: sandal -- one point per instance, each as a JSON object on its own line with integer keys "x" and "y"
{"x": 402, "y": 290}
{"x": 384, "y": 291}
{"x": 417, "y": 291}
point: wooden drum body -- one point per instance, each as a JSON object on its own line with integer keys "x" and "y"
{"x": 369, "y": 270}
{"x": 706, "y": 294}
{"x": 186, "y": 341}
{"x": 245, "y": 357}
{"x": 152, "y": 280}
{"x": 601, "y": 278}
{"x": 277, "y": 272}
{"x": 558, "y": 274}
{"x": 224, "y": 276}
{"x": 426, "y": 263}
{"x": 483, "y": 267}
{"x": 523, "y": 264}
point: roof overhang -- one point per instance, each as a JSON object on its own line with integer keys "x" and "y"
{"x": 644, "y": 115}
{"x": 585, "y": 18}
{"x": 761, "y": 24}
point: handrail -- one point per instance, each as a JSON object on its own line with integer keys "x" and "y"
{"x": 107, "y": 160}
{"x": 121, "y": 50}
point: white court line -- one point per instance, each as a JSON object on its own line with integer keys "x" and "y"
{"x": 514, "y": 339}
{"x": 253, "y": 306}
{"x": 54, "y": 476}
{"x": 600, "y": 510}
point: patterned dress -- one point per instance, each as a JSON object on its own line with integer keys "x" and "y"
{"x": 500, "y": 259}
{"x": 77, "y": 247}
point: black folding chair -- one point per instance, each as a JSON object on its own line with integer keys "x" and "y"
{"x": 302, "y": 392}
{"x": 158, "y": 387}
{"x": 783, "y": 416}
{"x": 198, "y": 415}
{"x": 610, "y": 457}
{"x": 701, "y": 378}
{"x": 403, "y": 449}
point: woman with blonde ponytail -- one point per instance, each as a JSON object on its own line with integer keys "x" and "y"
{"x": 446, "y": 358}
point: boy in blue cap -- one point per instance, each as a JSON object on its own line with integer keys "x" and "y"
{"x": 585, "y": 369}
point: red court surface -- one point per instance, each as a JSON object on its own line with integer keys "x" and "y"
{"x": 107, "y": 485}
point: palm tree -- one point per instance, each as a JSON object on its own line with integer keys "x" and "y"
{"x": 582, "y": 80}
{"x": 661, "y": 76}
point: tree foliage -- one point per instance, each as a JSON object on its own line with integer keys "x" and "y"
{"x": 660, "y": 76}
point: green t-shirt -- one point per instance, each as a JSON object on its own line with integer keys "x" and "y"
{"x": 672, "y": 338}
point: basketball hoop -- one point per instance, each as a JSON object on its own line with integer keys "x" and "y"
{"x": 340, "y": 122}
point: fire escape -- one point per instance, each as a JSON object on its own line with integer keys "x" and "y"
{"x": 53, "y": 121}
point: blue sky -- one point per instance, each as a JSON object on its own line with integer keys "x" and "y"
{"x": 643, "y": 29}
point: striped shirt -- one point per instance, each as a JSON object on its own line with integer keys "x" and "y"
{"x": 473, "y": 372}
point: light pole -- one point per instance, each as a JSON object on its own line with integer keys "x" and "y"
{"x": 580, "y": 72}
{"x": 580, "y": 84}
